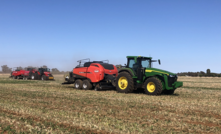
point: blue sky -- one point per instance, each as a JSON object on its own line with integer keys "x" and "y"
{"x": 184, "y": 34}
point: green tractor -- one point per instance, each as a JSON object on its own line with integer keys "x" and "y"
{"x": 138, "y": 73}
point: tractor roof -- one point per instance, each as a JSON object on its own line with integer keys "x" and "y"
{"x": 138, "y": 57}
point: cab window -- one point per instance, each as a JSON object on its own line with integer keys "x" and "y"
{"x": 131, "y": 63}
{"x": 145, "y": 63}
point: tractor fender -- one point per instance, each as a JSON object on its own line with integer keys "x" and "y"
{"x": 126, "y": 70}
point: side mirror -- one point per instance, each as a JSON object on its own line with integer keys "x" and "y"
{"x": 159, "y": 61}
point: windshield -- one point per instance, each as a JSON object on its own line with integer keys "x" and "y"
{"x": 44, "y": 69}
{"x": 145, "y": 63}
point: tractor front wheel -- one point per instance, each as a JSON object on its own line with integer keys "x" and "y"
{"x": 78, "y": 84}
{"x": 87, "y": 85}
{"x": 153, "y": 86}
{"x": 124, "y": 83}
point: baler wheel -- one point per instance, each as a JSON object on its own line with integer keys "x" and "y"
{"x": 87, "y": 85}
{"x": 124, "y": 83}
{"x": 78, "y": 84}
{"x": 32, "y": 77}
{"x": 153, "y": 86}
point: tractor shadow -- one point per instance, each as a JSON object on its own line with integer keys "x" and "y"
{"x": 138, "y": 91}
{"x": 141, "y": 91}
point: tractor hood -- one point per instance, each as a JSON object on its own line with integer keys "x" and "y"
{"x": 155, "y": 70}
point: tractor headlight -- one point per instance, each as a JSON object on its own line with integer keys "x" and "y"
{"x": 172, "y": 75}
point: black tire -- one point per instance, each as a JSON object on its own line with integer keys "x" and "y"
{"x": 153, "y": 86}
{"x": 124, "y": 83}
{"x": 87, "y": 85}
{"x": 78, "y": 84}
{"x": 168, "y": 92}
{"x": 43, "y": 77}
{"x": 97, "y": 87}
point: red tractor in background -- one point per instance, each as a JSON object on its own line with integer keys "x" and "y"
{"x": 95, "y": 74}
{"x": 32, "y": 73}
{"x": 41, "y": 74}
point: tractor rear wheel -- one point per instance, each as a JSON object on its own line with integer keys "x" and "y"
{"x": 153, "y": 86}
{"x": 87, "y": 85}
{"x": 124, "y": 83}
{"x": 168, "y": 92}
{"x": 78, "y": 84}
{"x": 43, "y": 77}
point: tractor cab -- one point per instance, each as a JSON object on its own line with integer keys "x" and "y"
{"x": 139, "y": 64}
{"x": 30, "y": 69}
{"x": 43, "y": 70}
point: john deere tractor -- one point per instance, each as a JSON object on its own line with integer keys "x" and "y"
{"x": 138, "y": 73}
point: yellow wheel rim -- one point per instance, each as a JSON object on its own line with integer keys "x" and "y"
{"x": 151, "y": 87}
{"x": 123, "y": 83}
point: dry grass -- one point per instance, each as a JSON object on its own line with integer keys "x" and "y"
{"x": 49, "y": 107}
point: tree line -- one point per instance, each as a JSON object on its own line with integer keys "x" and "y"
{"x": 208, "y": 73}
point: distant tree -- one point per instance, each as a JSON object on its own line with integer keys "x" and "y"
{"x": 44, "y": 66}
{"x": 55, "y": 70}
{"x": 20, "y": 68}
{"x": 6, "y": 69}
{"x": 31, "y": 67}
{"x": 208, "y": 71}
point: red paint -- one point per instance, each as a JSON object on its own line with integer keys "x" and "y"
{"x": 94, "y": 76}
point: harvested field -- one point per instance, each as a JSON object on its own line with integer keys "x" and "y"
{"x": 49, "y": 107}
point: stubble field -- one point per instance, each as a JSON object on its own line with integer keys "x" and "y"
{"x": 49, "y": 107}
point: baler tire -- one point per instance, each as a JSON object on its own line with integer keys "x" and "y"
{"x": 128, "y": 83}
{"x": 78, "y": 84}
{"x": 87, "y": 85}
{"x": 168, "y": 92}
{"x": 156, "y": 86}
{"x": 32, "y": 77}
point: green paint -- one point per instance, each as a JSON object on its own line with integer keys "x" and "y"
{"x": 154, "y": 72}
